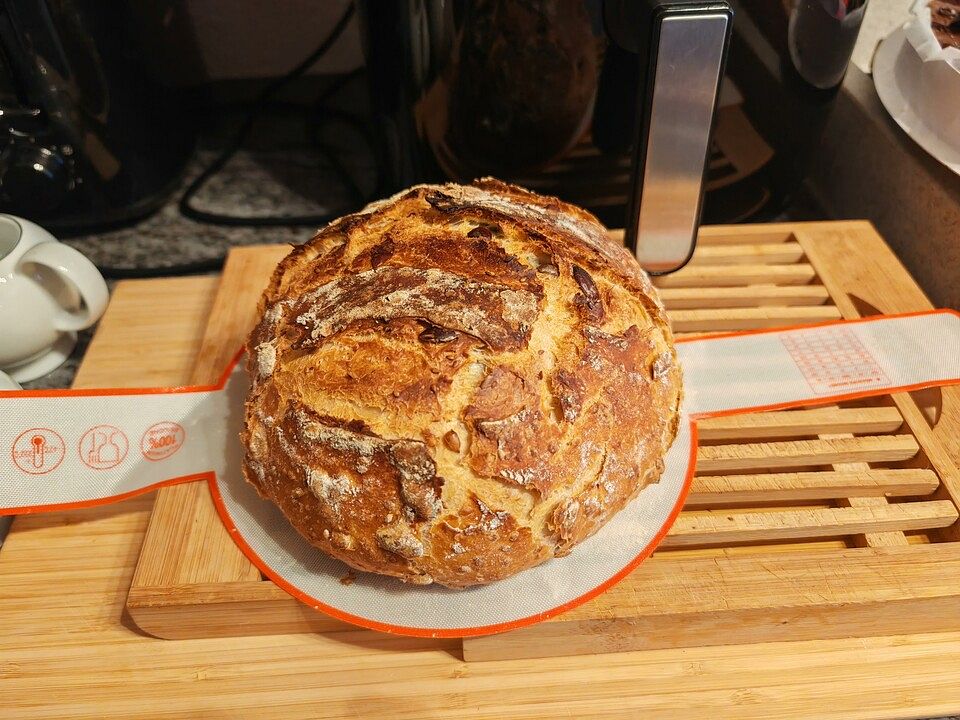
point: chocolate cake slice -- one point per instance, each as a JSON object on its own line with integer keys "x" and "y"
{"x": 945, "y": 21}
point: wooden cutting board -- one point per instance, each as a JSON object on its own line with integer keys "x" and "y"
{"x": 813, "y": 523}
{"x": 67, "y": 649}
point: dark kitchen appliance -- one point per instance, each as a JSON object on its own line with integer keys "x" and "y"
{"x": 87, "y": 137}
{"x": 610, "y": 103}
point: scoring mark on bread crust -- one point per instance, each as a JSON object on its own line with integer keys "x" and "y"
{"x": 400, "y": 540}
{"x": 331, "y": 489}
{"x": 416, "y": 471}
{"x": 266, "y": 358}
{"x": 499, "y": 316}
{"x": 419, "y": 484}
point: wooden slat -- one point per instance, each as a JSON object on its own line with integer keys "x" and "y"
{"x": 880, "y": 283}
{"x": 810, "y": 421}
{"x": 740, "y": 254}
{"x": 786, "y": 548}
{"x": 185, "y": 530}
{"x": 889, "y": 538}
{"x": 736, "y": 275}
{"x": 682, "y": 298}
{"x": 794, "y": 453}
{"x": 870, "y": 539}
{"x": 749, "y": 232}
{"x": 707, "y": 490}
{"x": 733, "y": 236}
{"x": 736, "y": 234}
{"x": 731, "y": 319}
{"x": 676, "y": 600}
{"x": 726, "y": 526}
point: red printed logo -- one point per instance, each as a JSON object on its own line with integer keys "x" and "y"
{"x": 37, "y": 451}
{"x": 833, "y": 359}
{"x": 162, "y": 440}
{"x": 103, "y": 447}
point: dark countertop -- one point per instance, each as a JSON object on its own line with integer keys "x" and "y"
{"x": 263, "y": 184}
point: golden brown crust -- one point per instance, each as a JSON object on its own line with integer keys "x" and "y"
{"x": 458, "y": 383}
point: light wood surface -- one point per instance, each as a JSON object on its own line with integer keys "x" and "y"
{"x": 861, "y": 276}
{"x": 791, "y": 484}
{"x": 737, "y": 254}
{"x": 186, "y": 541}
{"x": 730, "y": 319}
{"x": 66, "y": 650}
{"x": 807, "y": 421}
{"x": 793, "y": 453}
{"x": 734, "y": 275}
{"x": 709, "y": 490}
{"x": 681, "y": 298}
{"x": 726, "y": 527}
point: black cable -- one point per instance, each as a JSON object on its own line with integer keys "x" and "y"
{"x": 135, "y": 273}
{"x": 258, "y": 107}
{"x": 263, "y": 103}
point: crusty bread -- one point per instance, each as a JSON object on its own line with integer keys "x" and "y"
{"x": 458, "y": 383}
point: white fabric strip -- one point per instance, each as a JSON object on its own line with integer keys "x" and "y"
{"x": 81, "y": 448}
{"x": 820, "y": 363}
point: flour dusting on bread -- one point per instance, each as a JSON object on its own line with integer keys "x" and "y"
{"x": 458, "y": 383}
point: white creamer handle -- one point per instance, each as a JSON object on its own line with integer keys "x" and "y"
{"x": 73, "y": 267}
{"x": 7, "y": 382}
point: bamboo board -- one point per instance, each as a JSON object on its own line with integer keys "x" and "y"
{"x": 68, "y": 651}
{"x": 812, "y": 523}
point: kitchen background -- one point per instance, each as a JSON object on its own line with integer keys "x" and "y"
{"x": 278, "y": 142}
{"x": 275, "y": 144}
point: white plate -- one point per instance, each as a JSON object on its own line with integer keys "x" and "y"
{"x": 903, "y": 86}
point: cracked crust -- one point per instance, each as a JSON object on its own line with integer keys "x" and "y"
{"x": 458, "y": 383}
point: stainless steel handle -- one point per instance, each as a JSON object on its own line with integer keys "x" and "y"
{"x": 687, "y": 50}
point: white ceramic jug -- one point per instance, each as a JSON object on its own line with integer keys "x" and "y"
{"x": 7, "y": 382}
{"x": 48, "y": 291}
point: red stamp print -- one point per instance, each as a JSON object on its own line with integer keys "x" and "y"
{"x": 37, "y": 451}
{"x": 162, "y": 440}
{"x": 103, "y": 447}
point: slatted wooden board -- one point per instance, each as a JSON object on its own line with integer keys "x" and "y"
{"x": 822, "y": 522}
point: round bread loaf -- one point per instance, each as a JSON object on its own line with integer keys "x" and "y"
{"x": 458, "y": 383}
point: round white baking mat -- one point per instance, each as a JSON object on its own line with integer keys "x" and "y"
{"x": 387, "y": 604}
